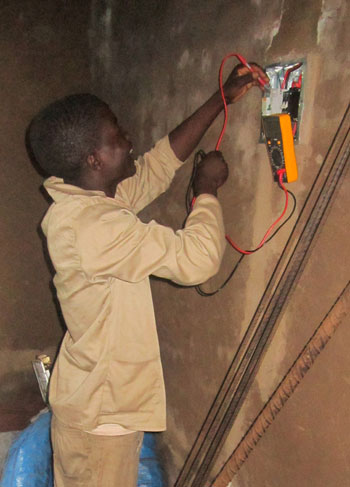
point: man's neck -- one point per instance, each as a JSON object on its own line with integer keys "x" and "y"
{"x": 94, "y": 185}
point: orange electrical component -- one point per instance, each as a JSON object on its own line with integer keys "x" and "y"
{"x": 280, "y": 145}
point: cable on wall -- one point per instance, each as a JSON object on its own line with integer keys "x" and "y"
{"x": 287, "y": 386}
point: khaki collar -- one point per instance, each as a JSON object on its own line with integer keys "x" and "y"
{"x": 59, "y": 190}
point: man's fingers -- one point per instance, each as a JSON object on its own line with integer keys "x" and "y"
{"x": 241, "y": 70}
{"x": 260, "y": 70}
{"x": 244, "y": 79}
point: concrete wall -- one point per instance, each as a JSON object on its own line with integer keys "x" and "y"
{"x": 155, "y": 64}
{"x": 44, "y": 55}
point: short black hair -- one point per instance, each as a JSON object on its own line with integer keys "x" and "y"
{"x": 62, "y": 135}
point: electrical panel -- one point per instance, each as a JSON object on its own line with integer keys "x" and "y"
{"x": 285, "y": 93}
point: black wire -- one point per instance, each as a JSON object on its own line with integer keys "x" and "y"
{"x": 206, "y": 294}
{"x": 199, "y": 155}
{"x": 282, "y": 224}
{"x": 197, "y": 158}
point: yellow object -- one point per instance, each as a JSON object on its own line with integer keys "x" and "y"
{"x": 288, "y": 148}
{"x": 280, "y": 144}
{"x": 45, "y": 359}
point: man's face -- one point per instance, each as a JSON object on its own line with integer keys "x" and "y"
{"x": 115, "y": 151}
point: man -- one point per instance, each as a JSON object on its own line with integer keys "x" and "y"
{"x": 107, "y": 386}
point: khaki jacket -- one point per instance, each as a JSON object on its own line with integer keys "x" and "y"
{"x": 108, "y": 369}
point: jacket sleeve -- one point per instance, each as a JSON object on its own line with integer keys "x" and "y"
{"x": 154, "y": 173}
{"x": 117, "y": 244}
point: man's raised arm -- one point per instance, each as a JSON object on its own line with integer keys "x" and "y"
{"x": 185, "y": 137}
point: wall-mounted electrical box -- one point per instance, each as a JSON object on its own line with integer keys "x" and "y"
{"x": 285, "y": 94}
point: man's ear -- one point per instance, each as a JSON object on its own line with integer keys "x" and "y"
{"x": 93, "y": 162}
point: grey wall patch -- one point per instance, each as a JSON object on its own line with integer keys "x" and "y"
{"x": 331, "y": 12}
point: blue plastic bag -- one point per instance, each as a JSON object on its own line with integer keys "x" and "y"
{"x": 29, "y": 461}
{"x": 150, "y": 473}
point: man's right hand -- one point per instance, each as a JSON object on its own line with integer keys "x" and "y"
{"x": 211, "y": 173}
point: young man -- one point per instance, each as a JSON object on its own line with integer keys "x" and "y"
{"x": 107, "y": 385}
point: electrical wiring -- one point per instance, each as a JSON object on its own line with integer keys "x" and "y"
{"x": 263, "y": 241}
{"x": 243, "y": 61}
{"x": 208, "y": 294}
{"x": 280, "y": 173}
{"x": 286, "y": 76}
{"x": 190, "y": 200}
{"x": 203, "y": 293}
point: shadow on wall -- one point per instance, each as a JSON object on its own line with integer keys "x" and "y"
{"x": 42, "y": 237}
{"x": 6, "y": 439}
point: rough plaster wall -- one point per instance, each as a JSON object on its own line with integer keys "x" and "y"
{"x": 44, "y": 52}
{"x": 309, "y": 441}
{"x": 155, "y": 65}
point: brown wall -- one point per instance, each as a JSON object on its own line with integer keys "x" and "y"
{"x": 44, "y": 55}
{"x": 155, "y": 65}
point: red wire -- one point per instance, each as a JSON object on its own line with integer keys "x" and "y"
{"x": 280, "y": 172}
{"x": 248, "y": 252}
{"x": 286, "y": 76}
{"x": 243, "y": 61}
{"x": 224, "y": 100}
